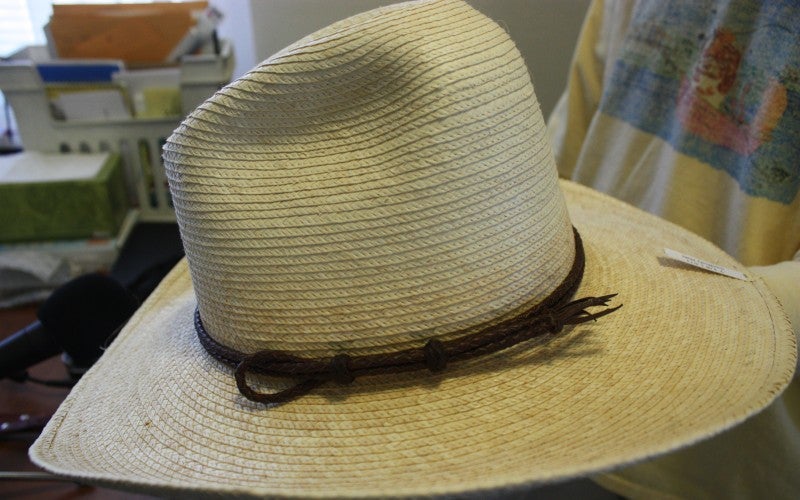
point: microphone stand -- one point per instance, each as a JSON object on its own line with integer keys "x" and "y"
{"x": 33, "y": 476}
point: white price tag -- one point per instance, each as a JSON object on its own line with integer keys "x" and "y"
{"x": 708, "y": 266}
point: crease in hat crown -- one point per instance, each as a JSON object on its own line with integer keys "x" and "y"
{"x": 381, "y": 181}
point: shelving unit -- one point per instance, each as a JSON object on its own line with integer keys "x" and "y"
{"x": 138, "y": 141}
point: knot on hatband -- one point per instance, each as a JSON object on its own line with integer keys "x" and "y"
{"x": 548, "y": 317}
{"x": 435, "y": 355}
{"x": 339, "y": 369}
{"x": 551, "y": 322}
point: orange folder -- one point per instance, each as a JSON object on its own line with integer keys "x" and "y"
{"x": 139, "y": 34}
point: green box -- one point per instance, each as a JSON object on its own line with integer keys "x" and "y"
{"x": 61, "y": 196}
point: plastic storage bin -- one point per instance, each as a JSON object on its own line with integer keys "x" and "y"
{"x": 137, "y": 140}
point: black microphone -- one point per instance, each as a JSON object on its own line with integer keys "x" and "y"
{"x": 79, "y": 318}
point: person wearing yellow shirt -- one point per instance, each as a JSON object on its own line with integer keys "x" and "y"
{"x": 691, "y": 110}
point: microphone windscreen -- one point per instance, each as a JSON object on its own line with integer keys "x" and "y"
{"x": 84, "y": 313}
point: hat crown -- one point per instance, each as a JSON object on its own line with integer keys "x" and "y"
{"x": 381, "y": 181}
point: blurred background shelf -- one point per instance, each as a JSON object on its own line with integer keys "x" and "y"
{"x": 137, "y": 140}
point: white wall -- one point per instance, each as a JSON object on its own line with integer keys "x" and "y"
{"x": 237, "y": 26}
{"x": 544, "y": 30}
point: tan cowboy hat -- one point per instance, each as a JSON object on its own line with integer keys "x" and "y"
{"x": 384, "y": 294}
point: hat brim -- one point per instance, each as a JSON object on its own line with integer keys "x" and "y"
{"x": 690, "y": 354}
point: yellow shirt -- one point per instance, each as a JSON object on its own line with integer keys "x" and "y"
{"x": 692, "y": 112}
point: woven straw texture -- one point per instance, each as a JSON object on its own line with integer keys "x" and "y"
{"x": 689, "y": 354}
{"x": 387, "y": 177}
{"x": 382, "y": 181}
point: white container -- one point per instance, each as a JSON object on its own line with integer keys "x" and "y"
{"x": 138, "y": 141}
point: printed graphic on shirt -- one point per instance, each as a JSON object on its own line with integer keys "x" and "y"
{"x": 719, "y": 82}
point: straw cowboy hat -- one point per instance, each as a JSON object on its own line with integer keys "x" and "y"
{"x": 388, "y": 291}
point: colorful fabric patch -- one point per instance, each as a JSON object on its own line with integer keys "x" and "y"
{"x": 720, "y": 83}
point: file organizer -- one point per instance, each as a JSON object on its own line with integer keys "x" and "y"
{"x": 138, "y": 141}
